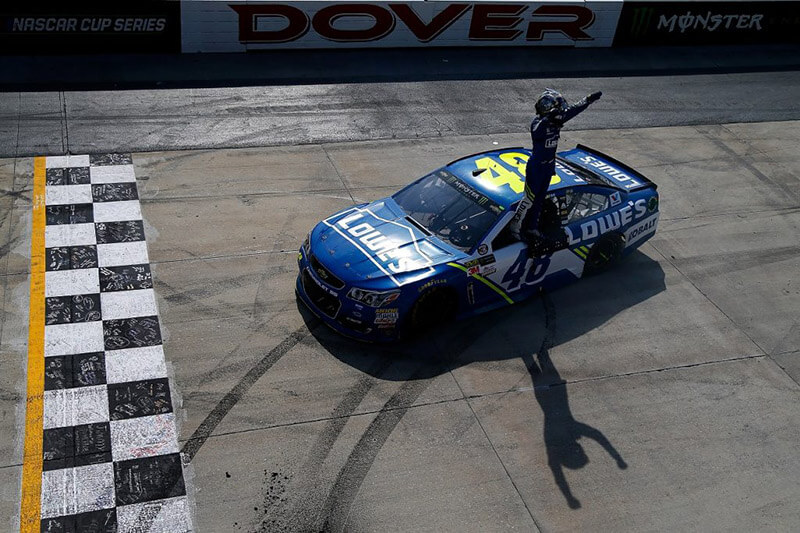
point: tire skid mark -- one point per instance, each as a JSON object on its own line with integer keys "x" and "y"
{"x": 298, "y": 517}
{"x": 348, "y": 483}
{"x": 223, "y": 407}
{"x": 336, "y": 510}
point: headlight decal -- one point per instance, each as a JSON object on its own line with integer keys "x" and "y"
{"x": 372, "y": 298}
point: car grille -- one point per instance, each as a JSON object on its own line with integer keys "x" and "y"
{"x": 324, "y": 274}
{"x": 354, "y": 324}
{"x": 325, "y": 302}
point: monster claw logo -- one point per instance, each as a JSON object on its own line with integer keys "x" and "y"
{"x": 641, "y": 21}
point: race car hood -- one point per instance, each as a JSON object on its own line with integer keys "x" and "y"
{"x": 376, "y": 241}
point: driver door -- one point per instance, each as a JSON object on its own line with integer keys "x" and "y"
{"x": 515, "y": 271}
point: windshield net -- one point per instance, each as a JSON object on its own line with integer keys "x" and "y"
{"x": 449, "y": 208}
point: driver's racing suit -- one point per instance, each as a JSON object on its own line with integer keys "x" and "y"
{"x": 545, "y": 132}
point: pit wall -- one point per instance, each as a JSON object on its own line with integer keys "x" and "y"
{"x": 189, "y": 26}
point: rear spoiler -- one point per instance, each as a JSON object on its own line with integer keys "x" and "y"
{"x": 607, "y": 168}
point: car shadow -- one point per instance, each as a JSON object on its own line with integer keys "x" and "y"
{"x": 527, "y": 331}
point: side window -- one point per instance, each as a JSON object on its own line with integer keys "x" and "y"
{"x": 504, "y": 238}
{"x": 583, "y": 204}
{"x": 549, "y": 220}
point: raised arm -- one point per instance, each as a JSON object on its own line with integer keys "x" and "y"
{"x": 582, "y": 104}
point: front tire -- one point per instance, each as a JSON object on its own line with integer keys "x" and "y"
{"x": 604, "y": 254}
{"x": 431, "y": 309}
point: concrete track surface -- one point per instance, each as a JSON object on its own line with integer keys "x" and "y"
{"x": 662, "y": 395}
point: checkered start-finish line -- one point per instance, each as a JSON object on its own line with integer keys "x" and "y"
{"x": 110, "y": 457}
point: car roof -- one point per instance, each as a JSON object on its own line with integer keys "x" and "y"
{"x": 503, "y": 176}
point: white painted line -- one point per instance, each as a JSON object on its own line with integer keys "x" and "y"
{"x": 69, "y": 282}
{"x": 117, "y": 211}
{"x": 128, "y": 304}
{"x": 143, "y": 437}
{"x": 77, "y": 490}
{"x": 69, "y": 235}
{"x": 112, "y": 174}
{"x": 67, "y": 161}
{"x": 122, "y": 253}
{"x": 135, "y": 364}
{"x": 162, "y": 516}
{"x": 67, "y": 339}
{"x": 68, "y": 194}
{"x": 76, "y": 406}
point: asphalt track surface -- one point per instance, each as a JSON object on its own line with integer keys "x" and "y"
{"x": 662, "y": 395}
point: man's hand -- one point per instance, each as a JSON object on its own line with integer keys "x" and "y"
{"x": 594, "y": 97}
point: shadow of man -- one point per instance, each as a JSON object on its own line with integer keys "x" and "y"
{"x": 561, "y": 430}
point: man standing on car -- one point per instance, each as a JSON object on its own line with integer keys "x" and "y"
{"x": 552, "y": 112}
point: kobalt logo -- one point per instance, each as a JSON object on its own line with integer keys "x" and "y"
{"x": 385, "y": 250}
{"x": 599, "y": 226}
{"x": 641, "y": 230}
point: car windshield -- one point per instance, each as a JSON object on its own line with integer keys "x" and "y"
{"x": 449, "y": 208}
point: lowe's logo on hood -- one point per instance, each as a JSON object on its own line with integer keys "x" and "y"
{"x": 383, "y": 238}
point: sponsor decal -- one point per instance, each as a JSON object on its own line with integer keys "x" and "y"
{"x": 569, "y": 172}
{"x": 360, "y": 22}
{"x": 473, "y": 270}
{"x": 483, "y": 249}
{"x": 652, "y": 204}
{"x": 432, "y": 283}
{"x": 486, "y": 260}
{"x": 359, "y": 227}
{"x": 322, "y": 274}
{"x": 653, "y": 23}
{"x": 488, "y": 270}
{"x": 85, "y": 27}
{"x": 591, "y": 229}
{"x": 477, "y": 197}
{"x": 387, "y": 315}
{"x": 610, "y": 171}
{"x": 615, "y": 199}
{"x": 641, "y": 230}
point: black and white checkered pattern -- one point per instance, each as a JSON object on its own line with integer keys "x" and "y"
{"x": 111, "y": 458}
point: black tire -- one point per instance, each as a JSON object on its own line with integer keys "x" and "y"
{"x": 431, "y": 309}
{"x": 604, "y": 254}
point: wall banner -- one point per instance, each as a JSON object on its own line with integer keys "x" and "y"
{"x": 700, "y": 23}
{"x": 225, "y": 26}
{"x": 81, "y": 27}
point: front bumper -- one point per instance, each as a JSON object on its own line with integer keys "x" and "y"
{"x": 336, "y": 310}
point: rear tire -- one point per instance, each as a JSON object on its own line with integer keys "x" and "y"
{"x": 431, "y": 309}
{"x": 604, "y": 254}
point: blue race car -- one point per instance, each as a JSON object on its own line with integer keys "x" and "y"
{"x": 441, "y": 249}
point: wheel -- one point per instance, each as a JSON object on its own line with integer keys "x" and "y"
{"x": 604, "y": 253}
{"x": 432, "y": 308}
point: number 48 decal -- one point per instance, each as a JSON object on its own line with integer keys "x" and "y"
{"x": 532, "y": 269}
